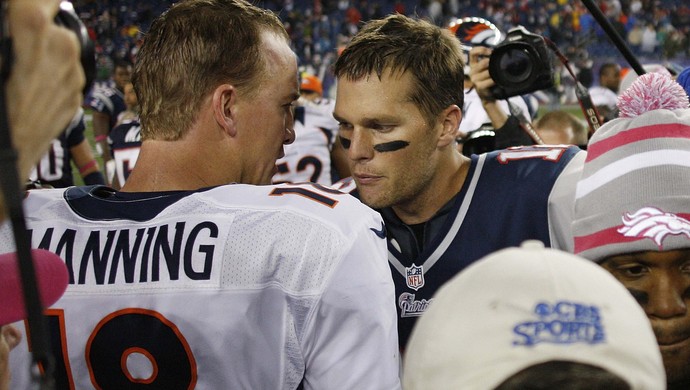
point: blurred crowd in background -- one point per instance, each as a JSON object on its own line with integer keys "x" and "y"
{"x": 657, "y": 31}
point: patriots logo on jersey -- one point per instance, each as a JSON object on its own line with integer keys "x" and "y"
{"x": 650, "y": 222}
{"x": 415, "y": 277}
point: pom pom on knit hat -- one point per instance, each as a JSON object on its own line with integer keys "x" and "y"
{"x": 634, "y": 192}
{"x": 651, "y": 91}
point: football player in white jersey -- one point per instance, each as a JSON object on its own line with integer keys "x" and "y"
{"x": 315, "y": 156}
{"x": 188, "y": 279}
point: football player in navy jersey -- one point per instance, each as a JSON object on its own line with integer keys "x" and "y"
{"x": 107, "y": 103}
{"x": 71, "y": 146}
{"x": 398, "y": 103}
{"x": 124, "y": 141}
{"x": 200, "y": 274}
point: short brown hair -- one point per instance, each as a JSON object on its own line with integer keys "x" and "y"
{"x": 191, "y": 49}
{"x": 400, "y": 44}
{"x": 559, "y": 119}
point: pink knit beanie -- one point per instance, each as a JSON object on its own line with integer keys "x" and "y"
{"x": 634, "y": 193}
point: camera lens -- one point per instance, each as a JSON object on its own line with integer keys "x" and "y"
{"x": 479, "y": 141}
{"x": 515, "y": 65}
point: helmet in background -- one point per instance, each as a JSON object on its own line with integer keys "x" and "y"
{"x": 473, "y": 31}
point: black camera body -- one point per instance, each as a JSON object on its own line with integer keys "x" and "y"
{"x": 67, "y": 17}
{"x": 521, "y": 64}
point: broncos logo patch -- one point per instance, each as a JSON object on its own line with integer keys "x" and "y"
{"x": 650, "y": 222}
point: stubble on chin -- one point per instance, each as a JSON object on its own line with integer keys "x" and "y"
{"x": 374, "y": 199}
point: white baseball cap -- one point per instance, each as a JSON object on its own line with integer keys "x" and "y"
{"x": 523, "y": 306}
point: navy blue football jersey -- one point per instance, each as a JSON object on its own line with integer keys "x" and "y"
{"x": 107, "y": 100}
{"x": 55, "y": 168}
{"x": 125, "y": 143}
{"x": 503, "y": 202}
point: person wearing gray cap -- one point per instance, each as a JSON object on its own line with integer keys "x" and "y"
{"x": 632, "y": 210}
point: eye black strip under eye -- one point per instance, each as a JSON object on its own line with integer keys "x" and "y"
{"x": 381, "y": 148}
{"x": 391, "y": 146}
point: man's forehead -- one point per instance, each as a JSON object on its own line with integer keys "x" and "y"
{"x": 676, "y": 255}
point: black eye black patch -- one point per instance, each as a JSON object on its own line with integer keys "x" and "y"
{"x": 381, "y": 148}
{"x": 391, "y": 146}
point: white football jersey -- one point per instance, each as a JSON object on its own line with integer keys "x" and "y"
{"x": 232, "y": 287}
{"x": 308, "y": 159}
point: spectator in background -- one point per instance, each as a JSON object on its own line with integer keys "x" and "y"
{"x": 107, "y": 103}
{"x": 533, "y": 318}
{"x": 649, "y": 44}
{"x": 632, "y": 213}
{"x": 605, "y": 95}
{"x": 635, "y": 38}
{"x": 574, "y": 24}
{"x": 561, "y": 128}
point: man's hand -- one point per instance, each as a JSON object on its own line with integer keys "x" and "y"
{"x": 46, "y": 80}
{"x": 479, "y": 72}
{"x": 9, "y": 338}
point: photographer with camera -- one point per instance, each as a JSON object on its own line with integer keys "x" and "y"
{"x": 490, "y": 121}
{"x": 507, "y": 127}
{"x": 46, "y": 72}
{"x": 41, "y": 68}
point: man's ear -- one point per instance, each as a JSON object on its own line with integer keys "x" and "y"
{"x": 223, "y": 101}
{"x": 450, "y": 117}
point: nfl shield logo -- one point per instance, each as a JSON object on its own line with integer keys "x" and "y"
{"x": 415, "y": 277}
